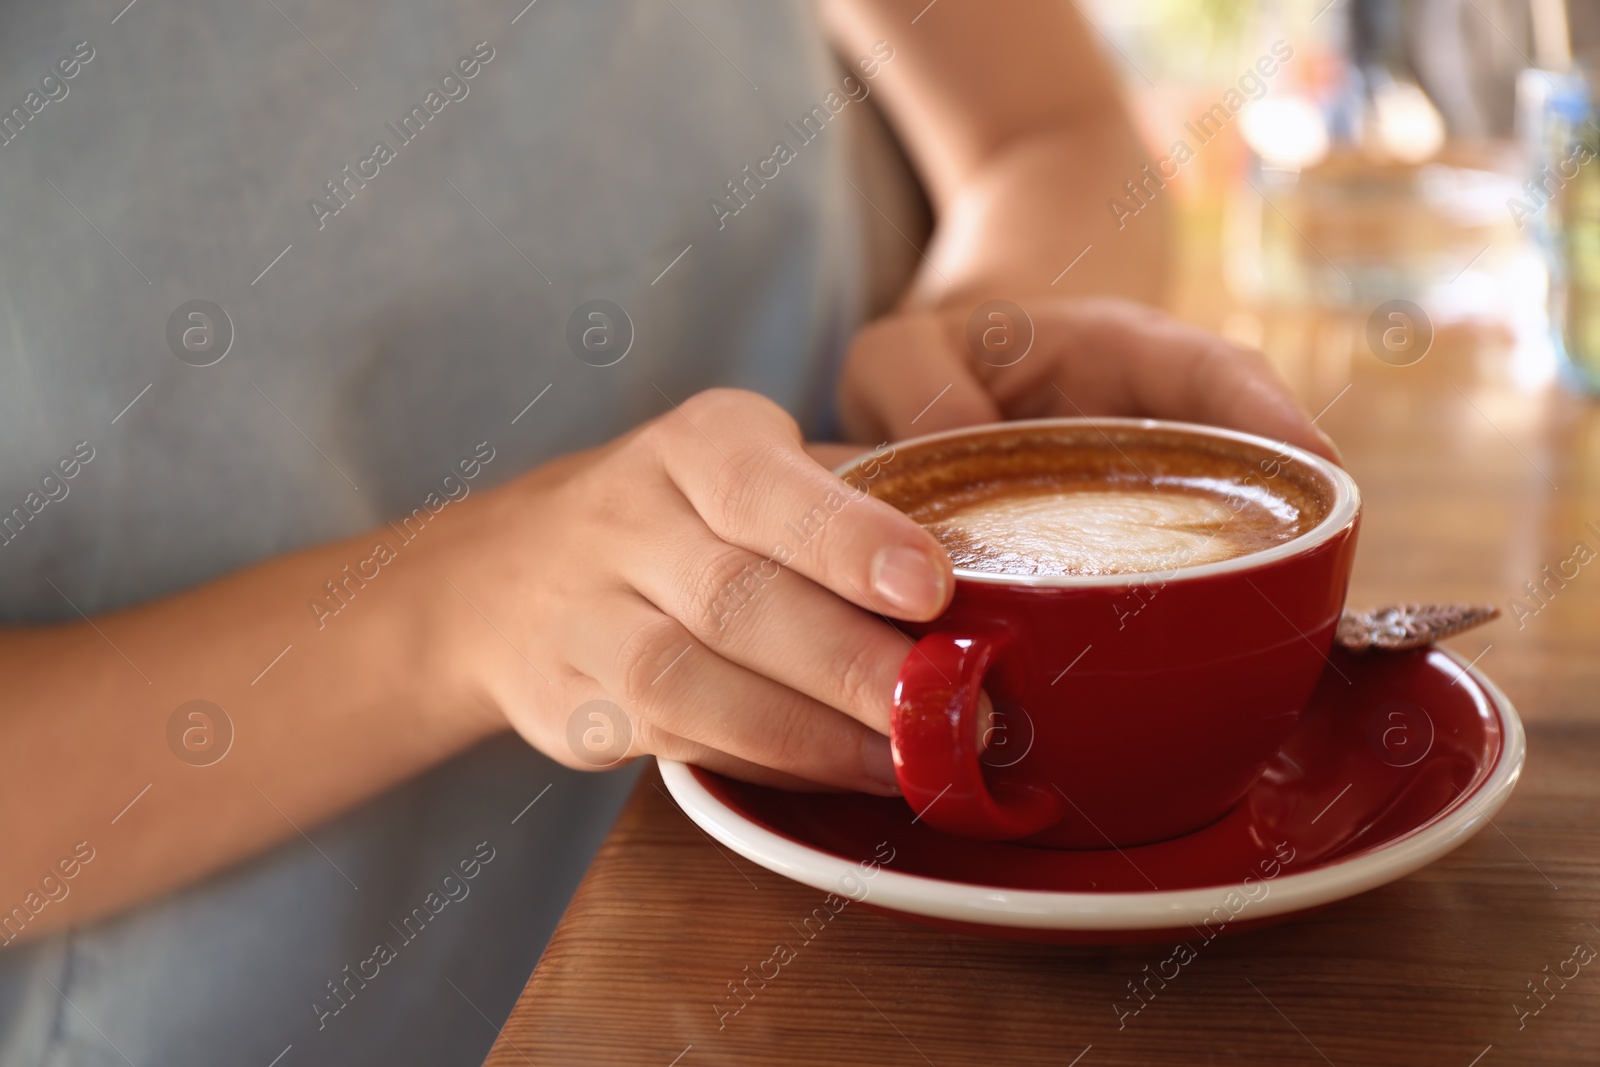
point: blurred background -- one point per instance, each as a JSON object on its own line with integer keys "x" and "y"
{"x": 1399, "y": 202}
{"x": 1388, "y": 159}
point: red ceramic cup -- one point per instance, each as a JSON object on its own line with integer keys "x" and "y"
{"x": 1128, "y": 708}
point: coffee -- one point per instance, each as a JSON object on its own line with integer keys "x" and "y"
{"x": 1075, "y": 501}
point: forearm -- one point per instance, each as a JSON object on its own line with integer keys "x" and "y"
{"x": 361, "y": 698}
{"x": 1019, "y": 131}
{"x": 1033, "y": 220}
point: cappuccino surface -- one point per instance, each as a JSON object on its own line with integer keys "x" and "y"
{"x": 1044, "y": 505}
{"x": 1113, "y": 529}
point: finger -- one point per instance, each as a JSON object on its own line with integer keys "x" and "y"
{"x": 906, "y": 376}
{"x": 1244, "y": 392}
{"x": 671, "y": 746}
{"x": 830, "y": 454}
{"x": 736, "y": 457}
{"x": 777, "y": 623}
{"x": 1216, "y": 381}
{"x": 1142, "y": 362}
{"x": 643, "y": 739}
{"x": 666, "y": 680}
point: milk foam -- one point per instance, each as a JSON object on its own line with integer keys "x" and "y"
{"x": 1093, "y": 531}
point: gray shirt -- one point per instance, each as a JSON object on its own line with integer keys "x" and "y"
{"x": 268, "y": 272}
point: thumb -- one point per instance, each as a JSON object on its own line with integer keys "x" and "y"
{"x": 906, "y": 376}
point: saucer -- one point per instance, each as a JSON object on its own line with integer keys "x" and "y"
{"x": 1397, "y": 760}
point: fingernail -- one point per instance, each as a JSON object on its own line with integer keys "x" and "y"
{"x": 878, "y": 761}
{"x": 908, "y": 580}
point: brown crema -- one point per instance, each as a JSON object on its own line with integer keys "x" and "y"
{"x": 1081, "y": 500}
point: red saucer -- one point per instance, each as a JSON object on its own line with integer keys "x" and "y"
{"x": 1398, "y": 759}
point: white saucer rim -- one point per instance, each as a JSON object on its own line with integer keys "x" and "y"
{"x": 1154, "y": 910}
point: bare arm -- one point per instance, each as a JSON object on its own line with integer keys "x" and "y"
{"x": 659, "y": 573}
{"x": 1014, "y": 121}
{"x": 1019, "y": 132}
{"x": 351, "y": 708}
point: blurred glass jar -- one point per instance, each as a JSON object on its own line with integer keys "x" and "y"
{"x": 1559, "y": 208}
{"x": 1356, "y": 228}
{"x": 1356, "y": 195}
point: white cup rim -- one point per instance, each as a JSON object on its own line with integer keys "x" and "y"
{"x": 1341, "y": 514}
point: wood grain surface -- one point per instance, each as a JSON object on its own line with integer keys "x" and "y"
{"x": 1473, "y": 485}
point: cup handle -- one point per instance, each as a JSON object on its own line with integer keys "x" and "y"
{"x": 933, "y": 734}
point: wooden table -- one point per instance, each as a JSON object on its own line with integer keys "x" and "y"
{"x": 1472, "y": 486}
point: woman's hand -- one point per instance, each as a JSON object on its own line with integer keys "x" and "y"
{"x": 1087, "y": 357}
{"x": 708, "y": 577}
